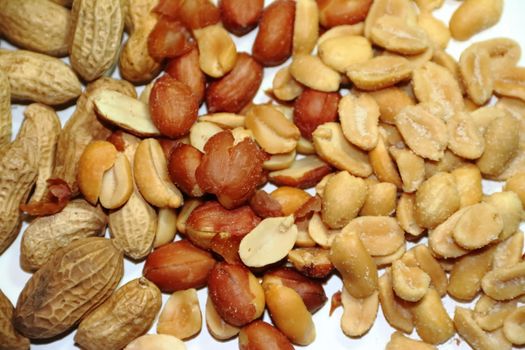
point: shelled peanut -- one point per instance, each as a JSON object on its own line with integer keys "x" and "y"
{"x": 399, "y": 156}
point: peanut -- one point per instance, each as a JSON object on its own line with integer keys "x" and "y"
{"x": 359, "y": 314}
{"x": 432, "y": 322}
{"x": 156, "y": 341}
{"x": 6, "y": 119}
{"x": 468, "y": 183}
{"x": 513, "y": 328}
{"x": 395, "y": 310}
{"x": 472, "y": 17}
{"x": 490, "y": 314}
{"x": 181, "y": 316}
{"x": 10, "y": 337}
{"x": 469, "y": 330}
{"x": 398, "y": 341}
{"x": 343, "y": 50}
{"x": 217, "y": 52}
{"x": 306, "y": 26}
{"x": 505, "y": 283}
{"x": 379, "y": 72}
{"x": 217, "y": 327}
{"x": 312, "y": 72}
{"x": 396, "y": 35}
{"x": 359, "y": 120}
{"x": 380, "y": 200}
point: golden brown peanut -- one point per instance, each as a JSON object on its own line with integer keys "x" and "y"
{"x": 490, "y": 314}
{"x": 127, "y": 314}
{"x": 475, "y": 68}
{"x": 503, "y": 52}
{"x": 445, "y": 60}
{"x": 508, "y": 206}
{"x": 395, "y": 34}
{"x": 284, "y": 86}
{"x": 410, "y": 283}
{"x": 289, "y": 314}
{"x": 437, "y": 31}
{"x": 387, "y": 260}
{"x": 395, "y": 310}
{"x": 431, "y": 266}
{"x": 468, "y": 183}
{"x": 290, "y": 198}
{"x": 359, "y": 117}
{"x": 509, "y": 82}
{"x": 332, "y": 146}
{"x": 505, "y": 283}
{"x": 217, "y": 327}
{"x": 466, "y": 275}
{"x": 311, "y": 262}
{"x": 260, "y": 335}
{"x": 40, "y": 78}
{"x": 341, "y": 30}
{"x": 306, "y": 26}
{"x": 380, "y": 200}
{"x": 78, "y": 277}
{"x": 304, "y": 240}
{"x": 432, "y": 322}
{"x": 354, "y": 263}
{"x": 42, "y": 122}
{"x": 272, "y": 130}
{"x": 151, "y": 176}
{"x": 423, "y": 132}
{"x": 380, "y": 235}
{"x": 11, "y": 339}
{"x": 270, "y": 241}
{"x": 474, "y": 16}
{"x": 391, "y": 101}
{"x": 479, "y": 225}
{"x": 217, "y": 50}
{"x": 45, "y": 235}
{"x": 280, "y": 161}
{"x": 17, "y": 175}
{"x": 436, "y": 199}
{"x": 337, "y": 210}
{"x": 181, "y": 316}
{"x": 449, "y": 162}
{"x": 508, "y": 252}
{"x": 166, "y": 227}
{"x": 383, "y": 165}
{"x": 358, "y": 314}
{"x": 398, "y": 341}
{"x": 343, "y": 50}
{"x": 469, "y": 330}
{"x": 94, "y": 51}
{"x": 411, "y": 168}
{"x": 379, "y": 72}
{"x": 404, "y": 9}
{"x": 440, "y": 238}
{"x": 36, "y": 25}
{"x": 406, "y": 214}
{"x": 320, "y": 233}
{"x": 516, "y": 184}
{"x": 312, "y": 72}
{"x": 201, "y": 132}
{"x": 5, "y": 110}
{"x": 156, "y": 341}
{"x": 483, "y": 116}
{"x": 513, "y": 326}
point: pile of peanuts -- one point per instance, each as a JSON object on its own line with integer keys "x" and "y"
{"x": 374, "y": 140}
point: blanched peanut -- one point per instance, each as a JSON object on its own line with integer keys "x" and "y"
{"x": 414, "y": 61}
{"x": 166, "y": 226}
{"x": 332, "y": 146}
{"x": 381, "y": 235}
{"x": 436, "y": 199}
{"x": 404, "y": 9}
{"x": 383, "y": 165}
{"x": 475, "y": 68}
{"x": 217, "y": 52}
{"x": 224, "y": 120}
{"x": 398, "y": 341}
{"x": 410, "y": 283}
{"x": 289, "y": 314}
{"x": 469, "y": 330}
{"x": 284, "y": 86}
{"x": 312, "y": 72}
{"x": 449, "y": 162}
{"x": 406, "y": 214}
{"x": 411, "y": 168}
{"x": 440, "y": 238}
{"x": 516, "y": 184}
{"x": 201, "y": 132}
{"x": 342, "y": 30}
{"x": 185, "y": 212}
{"x": 505, "y": 283}
{"x": 379, "y": 72}
{"x": 473, "y": 16}
{"x": 181, "y": 316}
{"x": 217, "y": 327}
{"x": 464, "y": 138}
{"x": 431, "y": 266}
{"x": 508, "y": 206}
{"x": 395, "y": 34}
{"x": 306, "y": 26}
{"x": 437, "y": 31}
{"x": 320, "y": 233}
{"x": 432, "y": 322}
{"x": 509, "y": 251}
{"x": 387, "y": 260}
{"x": 391, "y": 101}
{"x": 479, "y": 225}
{"x": 444, "y": 59}
{"x": 354, "y": 263}
{"x": 341, "y": 51}
{"x": 359, "y": 314}
{"x": 280, "y": 161}
{"x": 490, "y": 314}
{"x": 468, "y": 182}
{"x": 359, "y": 117}
{"x": 395, "y": 310}
{"x": 338, "y": 210}
{"x": 466, "y": 275}
{"x": 513, "y": 327}
{"x": 380, "y": 200}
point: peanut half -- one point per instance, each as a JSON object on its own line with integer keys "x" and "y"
{"x": 181, "y": 316}
{"x": 359, "y": 314}
{"x": 359, "y": 120}
{"x": 217, "y": 50}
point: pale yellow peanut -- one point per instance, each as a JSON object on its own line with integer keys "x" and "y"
{"x": 332, "y": 146}
{"x": 306, "y": 26}
{"x": 395, "y": 34}
{"x": 505, "y": 283}
{"x": 414, "y": 61}
{"x": 474, "y": 16}
{"x": 342, "y": 30}
{"x": 445, "y": 60}
{"x": 379, "y": 72}
{"x": 359, "y": 314}
{"x": 468, "y": 183}
{"x": 312, "y": 72}
{"x": 40, "y": 78}
{"x": 304, "y": 240}
{"x": 398, "y": 341}
{"x": 411, "y": 168}
{"x": 284, "y": 86}
{"x": 391, "y": 101}
{"x": 440, "y": 238}
{"x": 280, "y": 161}
{"x": 427, "y": 262}
{"x": 516, "y": 184}
{"x": 156, "y": 341}
{"x": 515, "y": 166}
{"x": 406, "y": 214}
{"x": 503, "y": 52}
{"x": 436, "y": 30}
{"x": 217, "y": 51}
{"x": 483, "y": 116}
{"x": 320, "y": 233}
{"x": 404, "y": 9}
{"x": 380, "y": 200}
{"x": 436, "y": 199}
{"x": 513, "y": 326}
{"x": 117, "y": 183}
{"x": 508, "y": 252}
{"x": 475, "y": 68}
{"x": 387, "y": 260}
{"x": 479, "y": 225}
{"x": 166, "y": 226}
{"x": 510, "y": 82}
{"x": 490, "y": 314}
{"x": 181, "y": 316}
{"x": 410, "y": 283}
{"x": 472, "y": 333}
{"x": 508, "y": 206}
{"x": 380, "y": 235}
{"x": 359, "y": 120}
{"x": 343, "y": 50}
{"x": 429, "y": 5}
{"x": 185, "y": 212}
{"x": 431, "y": 320}
{"x": 396, "y": 311}
{"x": 449, "y": 162}
{"x": 201, "y": 132}
{"x": 383, "y": 165}
{"x": 224, "y": 120}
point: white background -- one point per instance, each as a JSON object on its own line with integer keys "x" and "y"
{"x": 329, "y": 334}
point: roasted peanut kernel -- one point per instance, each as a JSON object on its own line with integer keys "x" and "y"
{"x": 201, "y": 132}
{"x": 236, "y": 294}
{"x": 117, "y": 184}
{"x": 431, "y": 266}
{"x": 473, "y": 16}
{"x": 289, "y": 314}
{"x": 387, "y": 260}
{"x": 185, "y": 212}
{"x": 383, "y": 165}
{"x": 320, "y": 233}
{"x": 395, "y": 310}
{"x": 260, "y": 335}
{"x": 217, "y": 327}
{"x": 411, "y": 168}
{"x": 398, "y": 341}
{"x": 490, "y": 314}
{"x": 181, "y": 316}
{"x": 271, "y": 129}
{"x": 479, "y": 225}
{"x": 432, "y": 322}
{"x": 332, "y": 146}
{"x": 400, "y": 8}
{"x": 379, "y": 72}
{"x": 468, "y": 183}
{"x": 224, "y": 120}
{"x": 465, "y": 277}
{"x": 156, "y": 341}
{"x": 474, "y": 65}
{"x": 336, "y": 13}
{"x": 166, "y": 227}
{"x": 280, "y": 161}
{"x": 284, "y": 86}
{"x": 505, "y": 283}
{"x": 436, "y": 199}
{"x": 464, "y": 138}
{"x": 151, "y": 176}
{"x": 290, "y": 198}
{"x": 409, "y": 283}
{"x": 503, "y": 52}
{"x": 359, "y": 314}
{"x": 380, "y": 235}
{"x": 469, "y": 330}
{"x": 341, "y": 30}
{"x": 509, "y": 251}
{"x": 380, "y": 200}
{"x": 449, "y": 162}
{"x": 396, "y": 35}
{"x": 437, "y": 31}
{"x": 391, "y": 101}
{"x": 303, "y": 173}
{"x": 359, "y": 117}
{"x": 513, "y": 326}
{"x": 343, "y": 50}
{"x": 311, "y": 262}
{"x": 440, "y": 238}
{"x": 217, "y": 52}
{"x": 352, "y": 260}
{"x": 306, "y": 26}
{"x": 516, "y": 184}
{"x": 509, "y": 82}
{"x": 509, "y": 207}
{"x": 423, "y": 132}
{"x": 406, "y": 215}
{"x": 312, "y": 72}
